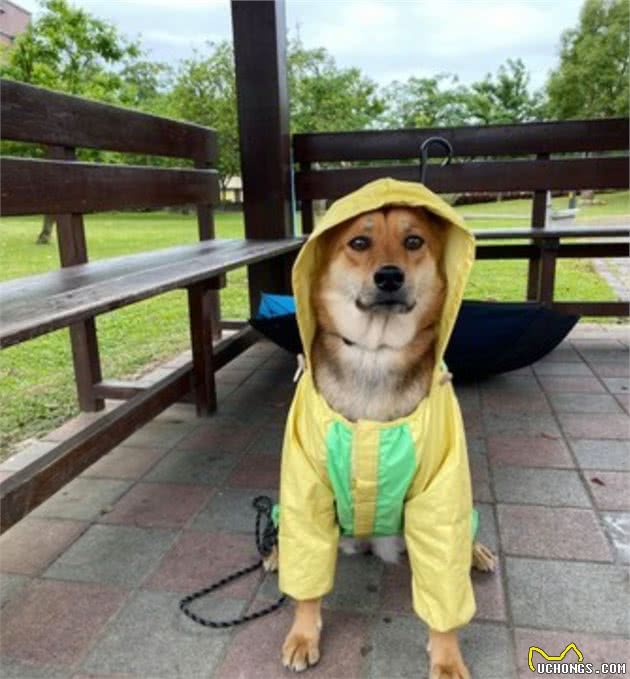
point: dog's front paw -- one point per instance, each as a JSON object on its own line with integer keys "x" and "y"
{"x": 446, "y": 658}
{"x": 483, "y": 559}
{"x": 300, "y": 651}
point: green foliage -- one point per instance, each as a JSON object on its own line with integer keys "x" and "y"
{"x": 426, "y": 102}
{"x": 204, "y": 92}
{"x": 504, "y": 98}
{"x": 592, "y": 78}
{"x": 325, "y": 97}
{"x": 444, "y": 101}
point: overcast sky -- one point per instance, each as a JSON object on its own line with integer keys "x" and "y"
{"x": 387, "y": 39}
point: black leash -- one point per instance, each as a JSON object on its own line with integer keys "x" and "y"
{"x": 265, "y": 543}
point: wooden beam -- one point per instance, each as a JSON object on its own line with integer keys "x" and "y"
{"x": 494, "y": 176}
{"x": 91, "y": 187}
{"x": 259, "y": 31}
{"x": 201, "y": 333}
{"x": 476, "y": 140}
{"x": 35, "y": 114}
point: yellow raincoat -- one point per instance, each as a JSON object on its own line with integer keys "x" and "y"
{"x": 377, "y": 478}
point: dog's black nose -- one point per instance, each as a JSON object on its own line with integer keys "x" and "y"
{"x": 389, "y": 278}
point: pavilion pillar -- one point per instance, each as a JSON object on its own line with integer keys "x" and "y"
{"x": 259, "y": 30}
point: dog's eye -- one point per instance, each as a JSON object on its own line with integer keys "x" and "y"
{"x": 413, "y": 242}
{"x": 360, "y": 243}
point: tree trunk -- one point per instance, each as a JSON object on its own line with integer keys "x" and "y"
{"x": 46, "y": 232}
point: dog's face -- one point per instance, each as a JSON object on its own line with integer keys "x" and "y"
{"x": 382, "y": 266}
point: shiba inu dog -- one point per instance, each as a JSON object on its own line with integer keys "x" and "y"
{"x": 380, "y": 304}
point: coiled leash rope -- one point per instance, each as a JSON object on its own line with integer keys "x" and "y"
{"x": 265, "y": 542}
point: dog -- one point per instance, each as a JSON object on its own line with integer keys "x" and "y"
{"x": 378, "y": 297}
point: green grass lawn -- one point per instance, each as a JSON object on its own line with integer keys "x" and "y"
{"x": 37, "y": 390}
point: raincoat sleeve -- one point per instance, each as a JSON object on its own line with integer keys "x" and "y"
{"x": 308, "y": 533}
{"x": 438, "y": 524}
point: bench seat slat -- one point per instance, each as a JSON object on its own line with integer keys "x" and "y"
{"x": 37, "y": 305}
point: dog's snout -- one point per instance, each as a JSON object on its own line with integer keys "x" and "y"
{"x": 389, "y": 278}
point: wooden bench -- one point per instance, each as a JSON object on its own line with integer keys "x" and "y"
{"x": 534, "y": 158}
{"x": 72, "y": 296}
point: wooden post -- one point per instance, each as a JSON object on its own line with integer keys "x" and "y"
{"x": 539, "y": 219}
{"x": 259, "y": 30}
{"x": 201, "y": 331}
{"x": 83, "y": 338}
{"x": 205, "y": 222}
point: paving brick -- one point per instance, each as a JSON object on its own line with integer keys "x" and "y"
{"x": 268, "y": 441}
{"x": 611, "y": 369}
{"x": 358, "y": 581}
{"x": 29, "y": 546}
{"x": 152, "y": 638}
{"x": 552, "y": 533}
{"x": 605, "y": 354}
{"x": 587, "y": 597}
{"x": 473, "y": 423}
{"x": 482, "y": 492}
{"x": 193, "y": 467}
{"x": 602, "y": 454}
{"x": 11, "y": 669}
{"x": 489, "y": 595}
{"x": 553, "y": 384}
{"x": 124, "y": 462}
{"x": 617, "y": 525}
{"x": 82, "y": 499}
{"x": 396, "y": 594}
{"x": 198, "y": 559}
{"x": 399, "y": 650}
{"x": 611, "y": 490}
{"x": 256, "y": 471}
{"x": 553, "y": 487}
{"x": 624, "y": 401}
{"x": 158, "y": 505}
{"x": 617, "y": 385}
{"x": 219, "y": 439}
{"x": 468, "y": 396}
{"x": 54, "y": 623}
{"x": 520, "y": 424}
{"x": 488, "y": 533}
{"x": 584, "y": 403}
{"x": 230, "y": 510}
{"x": 342, "y": 648}
{"x": 528, "y": 451}
{"x": 27, "y": 455}
{"x": 556, "y": 368}
{"x": 10, "y": 586}
{"x": 596, "y": 650}
{"x": 73, "y": 426}
{"x": 596, "y": 426}
{"x": 178, "y": 412}
{"x": 477, "y": 445}
{"x": 118, "y": 555}
{"x": 514, "y": 401}
{"x": 161, "y": 434}
{"x": 510, "y": 382}
{"x": 563, "y": 353}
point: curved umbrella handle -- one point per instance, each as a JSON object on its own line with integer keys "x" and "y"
{"x": 424, "y": 154}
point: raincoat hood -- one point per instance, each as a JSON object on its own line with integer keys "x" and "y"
{"x": 368, "y": 478}
{"x": 457, "y": 258}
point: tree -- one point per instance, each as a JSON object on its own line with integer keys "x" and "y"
{"x": 504, "y": 98}
{"x": 592, "y": 78}
{"x": 425, "y": 102}
{"x": 204, "y": 92}
{"x": 322, "y": 95}
{"x": 69, "y": 50}
{"x": 326, "y": 98}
